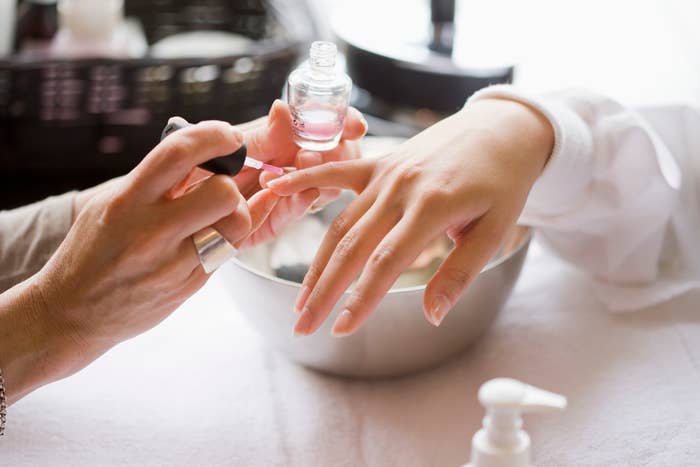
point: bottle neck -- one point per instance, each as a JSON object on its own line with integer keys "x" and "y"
{"x": 503, "y": 427}
{"x": 321, "y": 71}
{"x": 322, "y": 59}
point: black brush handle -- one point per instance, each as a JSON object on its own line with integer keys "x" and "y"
{"x": 224, "y": 165}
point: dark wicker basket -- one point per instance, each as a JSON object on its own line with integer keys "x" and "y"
{"x": 67, "y": 124}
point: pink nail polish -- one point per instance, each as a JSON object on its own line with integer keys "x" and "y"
{"x": 318, "y": 95}
{"x": 342, "y": 324}
{"x": 439, "y": 309}
{"x": 301, "y": 298}
{"x": 303, "y": 324}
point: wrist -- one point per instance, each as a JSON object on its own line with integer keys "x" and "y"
{"x": 519, "y": 127}
{"x": 34, "y": 350}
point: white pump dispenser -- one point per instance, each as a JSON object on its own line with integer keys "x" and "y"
{"x": 502, "y": 442}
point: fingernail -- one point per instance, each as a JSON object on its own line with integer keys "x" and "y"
{"x": 439, "y": 308}
{"x": 341, "y": 327}
{"x": 301, "y": 298}
{"x": 303, "y": 324}
{"x": 364, "y": 123}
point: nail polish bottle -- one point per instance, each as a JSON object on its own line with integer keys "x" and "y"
{"x": 318, "y": 95}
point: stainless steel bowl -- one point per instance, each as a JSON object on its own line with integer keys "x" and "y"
{"x": 396, "y": 339}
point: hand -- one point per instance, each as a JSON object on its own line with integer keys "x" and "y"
{"x": 127, "y": 262}
{"x": 270, "y": 139}
{"x": 467, "y": 176}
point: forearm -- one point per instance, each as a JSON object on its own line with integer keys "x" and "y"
{"x": 30, "y": 235}
{"x": 34, "y": 351}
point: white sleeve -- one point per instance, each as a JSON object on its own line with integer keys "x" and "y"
{"x": 607, "y": 198}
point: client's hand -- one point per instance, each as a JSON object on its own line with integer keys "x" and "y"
{"x": 270, "y": 139}
{"x": 467, "y": 176}
{"x": 127, "y": 262}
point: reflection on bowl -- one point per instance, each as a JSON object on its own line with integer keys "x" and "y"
{"x": 396, "y": 339}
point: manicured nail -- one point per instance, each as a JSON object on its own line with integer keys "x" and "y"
{"x": 341, "y": 327}
{"x": 301, "y": 298}
{"x": 438, "y": 310}
{"x": 303, "y": 324}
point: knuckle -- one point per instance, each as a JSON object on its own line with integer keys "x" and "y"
{"x": 433, "y": 198}
{"x": 381, "y": 258}
{"x": 312, "y": 275}
{"x": 407, "y": 175}
{"x": 339, "y": 226}
{"x": 225, "y": 190}
{"x": 217, "y": 133}
{"x": 357, "y": 301}
{"x": 457, "y": 279}
{"x": 347, "y": 247}
{"x": 333, "y": 166}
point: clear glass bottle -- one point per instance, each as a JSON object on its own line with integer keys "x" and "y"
{"x": 318, "y": 95}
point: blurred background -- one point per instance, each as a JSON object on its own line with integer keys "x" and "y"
{"x": 87, "y": 85}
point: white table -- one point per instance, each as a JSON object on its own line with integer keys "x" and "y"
{"x": 203, "y": 389}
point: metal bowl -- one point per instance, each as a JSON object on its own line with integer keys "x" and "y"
{"x": 396, "y": 339}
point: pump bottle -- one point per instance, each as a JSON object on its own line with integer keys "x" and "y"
{"x": 502, "y": 442}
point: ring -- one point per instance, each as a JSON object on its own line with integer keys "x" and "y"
{"x": 212, "y": 248}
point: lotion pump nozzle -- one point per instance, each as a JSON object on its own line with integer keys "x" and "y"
{"x": 502, "y": 442}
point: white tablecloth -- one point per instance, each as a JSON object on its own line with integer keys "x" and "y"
{"x": 202, "y": 389}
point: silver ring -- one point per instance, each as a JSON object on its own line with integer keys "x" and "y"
{"x": 213, "y": 249}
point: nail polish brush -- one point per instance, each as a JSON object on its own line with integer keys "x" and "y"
{"x": 226, "y": 165}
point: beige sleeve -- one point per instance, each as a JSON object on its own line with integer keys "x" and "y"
{"x": 29, "y": 236}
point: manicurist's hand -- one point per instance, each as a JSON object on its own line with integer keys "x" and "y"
{"x": 467, "y": 176}
{"x": 270, "y": 139}
{"x": 127, "y": 262}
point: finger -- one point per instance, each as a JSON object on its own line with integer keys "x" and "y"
{"x": 396, "y": 252}
{"x": 306, "y": 159}
{"x": 260, "y": 205}
{"x": 346, "y": 150}
{"x": 345, "y": 263}
{"x": 354, "y": 175}
{"x": 471, "y": 253}
{"x": 355, "y": 126}
{"x": 273, "y": 136}
{"x": 213, "y": 199}
{"x": 336, "y": 231}
{"x": 236, "y": 225}
{"x": 175, "y": 157}
{"x": 192, "y": 179}
{"x": 287, "y": 211}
